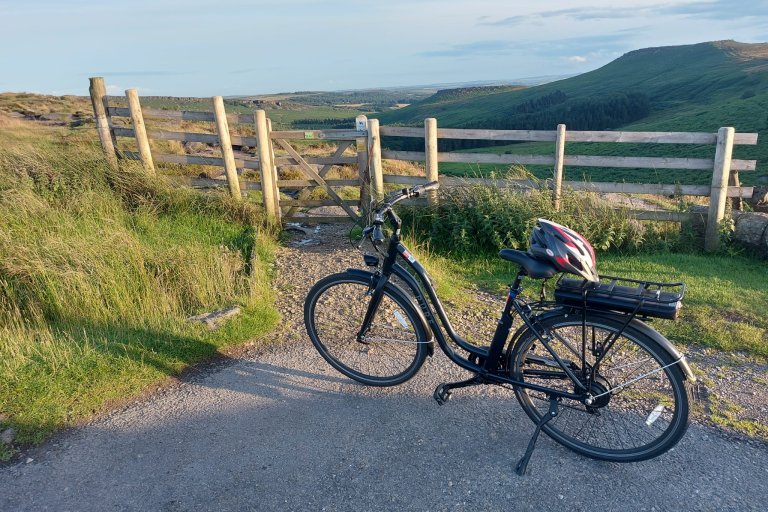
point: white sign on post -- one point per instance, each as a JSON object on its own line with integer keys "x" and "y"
{"x": 361, "y": 123}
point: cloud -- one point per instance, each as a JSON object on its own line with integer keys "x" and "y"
{"x": 474, "y": 49}
{"x": 717, "y": 9}
{"x": 607, "y": 44}
{"x": 713, "y": 9}
{"x": 578, "y": 14}
{"x": 245, "y": 71}
{"x": 576, "y": 59}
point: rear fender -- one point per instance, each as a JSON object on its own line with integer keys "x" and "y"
{"x": 666, "y": 345}
{"x": 637, "y": 325}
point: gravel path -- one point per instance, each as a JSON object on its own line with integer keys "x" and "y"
{"x": 276, "y": 428}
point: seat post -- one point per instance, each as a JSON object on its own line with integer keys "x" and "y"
{"x": 515, "y": 287}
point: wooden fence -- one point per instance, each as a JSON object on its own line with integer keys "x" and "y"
{"x": 364, "y": 142}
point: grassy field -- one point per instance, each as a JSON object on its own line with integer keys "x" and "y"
{"x": 724, "y": 307}
{"x": 37, "y": 104}
{"x": 100, "y": 270}
{"x": 282, "y": 118}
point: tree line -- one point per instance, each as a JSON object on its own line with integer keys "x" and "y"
{"x": 545, "y": 113}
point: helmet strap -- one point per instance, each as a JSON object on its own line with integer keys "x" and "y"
{"x": 543, "y": 292}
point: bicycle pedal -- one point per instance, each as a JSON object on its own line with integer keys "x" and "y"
{"x": 442, "y": 394}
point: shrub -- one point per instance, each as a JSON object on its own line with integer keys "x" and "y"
{"x": 478, "y": 218}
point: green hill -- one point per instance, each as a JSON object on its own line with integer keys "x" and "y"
{"x": 698, "y": 87}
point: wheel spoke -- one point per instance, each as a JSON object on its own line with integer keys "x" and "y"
{"x": 620, "y": 425}
{"x": 389, "y": 352}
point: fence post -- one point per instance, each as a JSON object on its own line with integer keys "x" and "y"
{"x": 275, "y": 176}
{"x": 363, "y": 172}
{"x": 265, "y": 165}
{"x": 719, "y": 190}
{"x": 98, "y": 100}
{"x": 140, "y": 131}
{"x": 374, "y": 146}
{"x": 225, "y": 142}
{"x": 430, "y": 149}
{"x": 559, "y": 157}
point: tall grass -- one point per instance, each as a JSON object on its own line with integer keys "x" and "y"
{"x": 99, "y": 270}
{"x": 478, "y": 218}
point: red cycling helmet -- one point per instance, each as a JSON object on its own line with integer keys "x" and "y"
{"x": 564, "y": 248}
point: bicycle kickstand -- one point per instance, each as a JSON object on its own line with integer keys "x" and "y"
{"x": 522, "y": 466}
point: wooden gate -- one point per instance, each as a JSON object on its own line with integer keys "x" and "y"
{"x": 311, "y": 165}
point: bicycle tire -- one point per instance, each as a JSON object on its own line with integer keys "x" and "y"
{"x": 637, "y": 422}
{"x": 396, "y": 344}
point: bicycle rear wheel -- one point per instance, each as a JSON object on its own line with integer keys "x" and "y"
{"x": 393, "y": 349}
{"x": 641, "y": 403}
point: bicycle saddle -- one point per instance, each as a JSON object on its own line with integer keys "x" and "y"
{"x": 536, "y": 269}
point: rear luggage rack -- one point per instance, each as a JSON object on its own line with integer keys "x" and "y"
{"x": 643, "y": 298}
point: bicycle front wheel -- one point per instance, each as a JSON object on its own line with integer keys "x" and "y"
{"x": 393, "y": 349}
{"x": 641, "y": 402}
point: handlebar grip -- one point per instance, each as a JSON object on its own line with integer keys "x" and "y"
{"x": 420, "y": 189}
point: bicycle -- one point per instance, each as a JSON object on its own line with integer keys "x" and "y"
{"x": 585, "y": 367}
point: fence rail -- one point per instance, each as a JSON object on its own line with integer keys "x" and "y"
{"x": 572, "y": 136}
{"x": 365, "y": 141}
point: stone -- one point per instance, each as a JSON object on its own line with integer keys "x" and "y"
{"x": 213, "y": 320}
{"x": 8, "y": 436}
{"x": 752, "y": 231}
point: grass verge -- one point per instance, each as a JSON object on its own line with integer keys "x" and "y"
{"x": 99, "y": 271}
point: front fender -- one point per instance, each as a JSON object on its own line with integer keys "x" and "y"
{"x": 395, "y": 289}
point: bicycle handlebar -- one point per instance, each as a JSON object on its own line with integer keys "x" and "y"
{"x": 407, "y": 193}
{"x": 420, "y": 189}
{"x": 375, "y": 231}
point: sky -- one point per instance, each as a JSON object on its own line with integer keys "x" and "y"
{"x": 230, "y": 47}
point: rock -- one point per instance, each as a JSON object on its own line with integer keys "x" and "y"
{"x": 752, "y": 231}
{"x": 759, "y": 199}
{"x": 194, "y": 147}
{"x": 214, "y": 319}
{"x": 8, "y": 436}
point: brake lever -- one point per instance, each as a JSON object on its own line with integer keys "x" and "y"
{"x": 366, "y": 233}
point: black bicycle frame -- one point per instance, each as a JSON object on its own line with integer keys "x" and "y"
{"x": 488, "y": 371}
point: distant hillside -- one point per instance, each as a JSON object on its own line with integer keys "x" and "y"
{"x": 648, "y": 81}
{"x": 698, "y": 87}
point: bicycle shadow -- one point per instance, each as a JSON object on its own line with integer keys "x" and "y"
{"x": 286, "y": 432}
